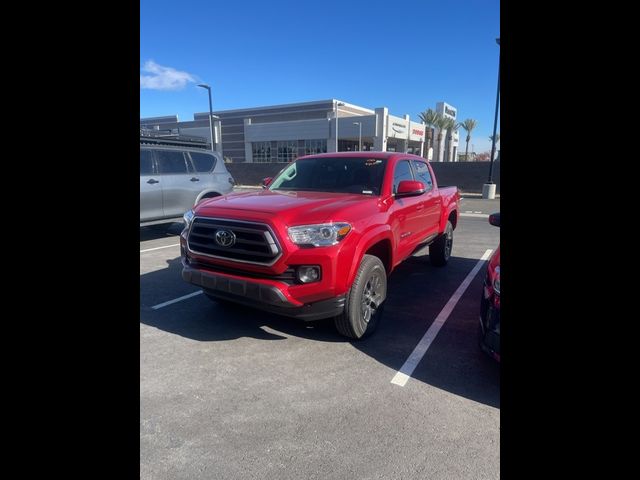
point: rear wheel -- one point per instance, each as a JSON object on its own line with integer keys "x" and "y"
{"x": 365, "y": 301}
{"x": 440, "y": 249}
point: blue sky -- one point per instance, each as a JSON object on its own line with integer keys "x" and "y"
{"x": 403, "y": 55}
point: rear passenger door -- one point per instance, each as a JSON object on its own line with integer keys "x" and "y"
{"x": 207, "y": 180}
{"x": 150, "y": 188}
{"x": 431, "y": 201}
{"x": 179, "y": 185}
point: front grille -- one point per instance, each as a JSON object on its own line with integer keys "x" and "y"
{"x": 288, "y": 276}
{"x": 254, "y": 242}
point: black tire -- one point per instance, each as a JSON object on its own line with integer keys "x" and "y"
{"x": 440, "y": 249}
{"x": 365, "y": 301}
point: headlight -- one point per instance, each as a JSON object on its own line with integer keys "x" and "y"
{"x": 187, "y": 217}
{"x": 320, "y": 235}
{"x": 496, "y": 281}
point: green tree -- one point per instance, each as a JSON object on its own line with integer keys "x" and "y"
{"x": 469, "y": 124}
{"x": 429, "y": 118}
{"x": 441, "y": 124}
{"x": 450, "y": 126}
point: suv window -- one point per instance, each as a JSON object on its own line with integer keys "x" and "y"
{"x": 402, "y": 172}
{"x": 146, "y": 162}
{"x": 171, "y": 162}
{"x": 422, "y": 174}
{"x": 203, "y": 162}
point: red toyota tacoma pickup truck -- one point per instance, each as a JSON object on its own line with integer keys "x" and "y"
{"x": 321, "y": 238}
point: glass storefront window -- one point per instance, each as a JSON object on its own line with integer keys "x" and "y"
{"x": 261, "y": 152}
{"x": 287, "y": 151}
{"x": 315, "y": 146}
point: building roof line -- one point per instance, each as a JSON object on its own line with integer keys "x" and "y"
{"x": 270, "y": 107}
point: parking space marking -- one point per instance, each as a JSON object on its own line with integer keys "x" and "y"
{"x": 477, "y": 215}
{"x": 402, "y": 376}
{"x": 179, "y": 299}
{"x": 158, "y": 248}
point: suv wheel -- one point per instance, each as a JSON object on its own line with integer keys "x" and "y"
{"x": 207, "y": 197}
{"x": 365, "y": 300}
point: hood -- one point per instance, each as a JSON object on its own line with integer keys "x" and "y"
{"x": 294, "y": 208}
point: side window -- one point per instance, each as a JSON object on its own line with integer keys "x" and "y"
{"x": 171, "y": 162}
{"x": 422, "y": 174}
{"x": 203, "y": 162}
{"x": 146, "y": 163}
{"x": 402, "y": 172}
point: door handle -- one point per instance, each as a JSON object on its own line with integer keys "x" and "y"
{"x": 194, "y": 179}
{"x": 151, "y": 180}
{"x": 420, "y": 207}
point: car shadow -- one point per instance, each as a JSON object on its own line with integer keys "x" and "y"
{"x": 417, "y": 292}
{"x": 210, "y": 320}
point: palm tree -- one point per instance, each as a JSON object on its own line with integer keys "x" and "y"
{"x": 450, "y": 126}
{"x": 469, "y": 124}
{"x": 441, "y": 124}
{"x": 429, "y": 118}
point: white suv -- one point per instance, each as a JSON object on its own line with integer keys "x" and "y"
{"x": 174, "y": 179}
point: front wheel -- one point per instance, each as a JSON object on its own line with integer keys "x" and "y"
{"x": 440, "y": 249}
{"x": 365, "y": 300}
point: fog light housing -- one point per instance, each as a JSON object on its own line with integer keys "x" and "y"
{"x": 308, "y": 273}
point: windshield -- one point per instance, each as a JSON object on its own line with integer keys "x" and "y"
{"x": 333, "y": 174}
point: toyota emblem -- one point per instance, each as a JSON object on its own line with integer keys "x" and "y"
{"x": 225, "y": 238}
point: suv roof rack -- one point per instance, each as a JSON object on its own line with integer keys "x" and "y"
{"x": 167, "y": 137}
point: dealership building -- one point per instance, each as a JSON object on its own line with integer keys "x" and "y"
{"x": 281, "y": 133}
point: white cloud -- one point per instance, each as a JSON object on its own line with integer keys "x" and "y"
{"x": 163, "y": 78}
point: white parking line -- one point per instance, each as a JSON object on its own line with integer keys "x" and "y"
{"x": 179, "y": 299}
{"x": 158, "y": 248}
{"x": 403, "y": 375}
{"x": 477, "y": 215}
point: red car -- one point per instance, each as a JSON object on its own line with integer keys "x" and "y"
{"x": 490, "y": 302}
{"x": 323, "y": 236}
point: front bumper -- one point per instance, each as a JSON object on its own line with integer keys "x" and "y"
{"x": 267, "y": 295}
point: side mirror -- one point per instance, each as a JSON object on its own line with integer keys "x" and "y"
{"x": 266, "y": 182}
{"x": 410, "y": 188}
{"x": 494, "y": 219}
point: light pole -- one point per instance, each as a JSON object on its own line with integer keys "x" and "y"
{"x": 338, "y": 104}
{"x": 204, "y": 85}
{"x": 359, "y": 135}
{"x": 489, "y": 188}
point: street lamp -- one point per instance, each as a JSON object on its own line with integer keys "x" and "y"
{"x": 489, "y": 188}
{"x": 359, "y": 135}
{"x": 204, "y": 85}
{"x": 338, "y": 104}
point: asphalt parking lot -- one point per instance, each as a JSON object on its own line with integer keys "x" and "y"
{"x": 228, "y": 392}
